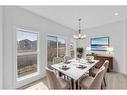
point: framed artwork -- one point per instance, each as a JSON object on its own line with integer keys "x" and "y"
{"x": 99, "y": 43}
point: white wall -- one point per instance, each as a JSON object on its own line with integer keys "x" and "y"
{"x": 125, "y": 37}
{"x": 18, "y": 17}
{"x": 1, "y": 46}
{"x": 116, "y": 31}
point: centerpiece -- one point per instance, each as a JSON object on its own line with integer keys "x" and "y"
{"x": 79, "y": 52}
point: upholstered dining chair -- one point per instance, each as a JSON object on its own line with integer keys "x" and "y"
{"x": 57, "y": 60}
{"x": 90, "y": 82}
{"x": 66, "y": 58}
{"x": 89, "y": 57}
{"x": 50, "y": 67}
{"x": 95, "y": 70}
{"x": 55, "y": 82}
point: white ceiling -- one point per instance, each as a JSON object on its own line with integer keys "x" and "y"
{"x": 91, "y": 16}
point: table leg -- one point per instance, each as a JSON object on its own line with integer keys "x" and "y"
{"x": 77, "y": 84}
{"x": 74, "y": 84}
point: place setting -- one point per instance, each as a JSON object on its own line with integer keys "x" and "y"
{"x": 64, "y": 67}
{"x": 81, "y": 66}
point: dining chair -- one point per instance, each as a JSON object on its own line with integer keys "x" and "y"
{"x": 89, "y": 57}
{"x": 55, "y": 82}
{"x": 95, "y": 70}
{"x": 50, "y": 67}
{"x": 57, "y": 60}
{"x": 67, "y": 58}
{"x": 90, "y": 82}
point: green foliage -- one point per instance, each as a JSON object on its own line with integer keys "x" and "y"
{"x": 80, "y": 50}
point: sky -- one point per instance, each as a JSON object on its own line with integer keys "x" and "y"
{"x": 26, "y": 35}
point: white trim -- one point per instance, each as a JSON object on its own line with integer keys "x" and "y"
{"x": 74, "y": 42}
{"x": 57, "y": 46}
{"x": 27, "y": 53}
{"x": 1, "y": 46}
{"x": 26, "y": 30}
{"x": 27, "y": 76}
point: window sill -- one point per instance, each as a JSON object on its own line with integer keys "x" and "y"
{"x": 27, "y": 76}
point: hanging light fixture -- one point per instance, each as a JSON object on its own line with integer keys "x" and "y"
{"x": 79, "y": 35}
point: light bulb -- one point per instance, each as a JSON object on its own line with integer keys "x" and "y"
{"x": 79, "y": 35}
{"x": 88, "y": 48}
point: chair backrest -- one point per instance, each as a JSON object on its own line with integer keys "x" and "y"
{"x": 57, "y": 60}
{"x": 52, "y": 79}
{"x": 89, "y": 57}
{"x": 50, "y": 67}
{"x": 66, "y": 58}
{"x": 96, "y": 84}
{"x": 106, "y": 63}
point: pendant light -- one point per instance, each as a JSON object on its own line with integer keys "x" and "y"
{"x": 79, "y": 35}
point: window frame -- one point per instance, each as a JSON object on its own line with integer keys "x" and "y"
{"x": 57, "y": 36}
{"x": 74, "y": 49}
{"x": 27, "y": 53}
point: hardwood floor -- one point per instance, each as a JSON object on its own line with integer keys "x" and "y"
{"x": 114, "y": 81}
{"x": 37, "y": 85}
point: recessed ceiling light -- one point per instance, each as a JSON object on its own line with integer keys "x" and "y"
{"x": 116, "y": 14}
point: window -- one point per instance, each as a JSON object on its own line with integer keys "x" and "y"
{"x": 27, "y": 52}
{"x": 72, "y": 49}
{"x": 61, "y": 47}
{"x": 56, "y": 47}
{"x": 52, "y": 48}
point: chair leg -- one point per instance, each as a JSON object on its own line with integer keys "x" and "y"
{"x": 60, "y": 74}
{"x": 101, "y": 86}
{"x": 104, "y": 81}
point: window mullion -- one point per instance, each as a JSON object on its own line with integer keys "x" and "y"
{"x": 27, "y": 53}
{"x": 57, "y": 47}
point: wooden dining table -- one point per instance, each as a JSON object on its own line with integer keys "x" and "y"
{"x": 73, "y": 69}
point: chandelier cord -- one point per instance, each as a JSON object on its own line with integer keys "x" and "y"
{"x": 79, "y": 26}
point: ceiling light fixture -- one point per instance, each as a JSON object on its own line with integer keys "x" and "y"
{"x": 79, "y": 35}
{"x": 116, "y": 14}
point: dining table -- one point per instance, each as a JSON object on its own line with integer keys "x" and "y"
{"x": 75, "y": 69}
